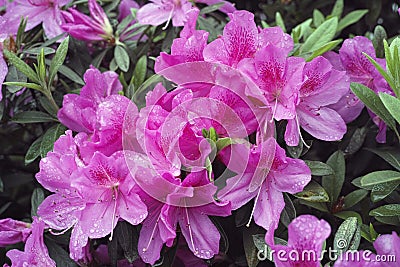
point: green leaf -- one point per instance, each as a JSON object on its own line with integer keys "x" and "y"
{"x": 121, "y": 58}
{"x": 351, "y": 18}
{"x": 386, "y": 211}
{"x": 313, "y": 192}
{"x": 385, "y": 75}
{"x": 34, "y": 151}
{"x": 32, "y": 117}
{"x": 356, "y": 140}
{"x": 50, "y": 137}
{"x": 211, "y": 8}
{"x": 322, "y": 35}
{"x": 21, "y": 66}
{"x": 58, "y": 59}
{"x": 140, "y": 71}
{"x": 279, "y": 21}
{"x": 347, "y": 214}
{"x": 392, "y": 104}
{"x": 38, "y": 50}
{"x": 373, "y": 102}
{"x": 379, "y": 177}
{"x": 265, "y": 251}
{"x": 70, "y": 74}
{"x": 15, "y": 75}
{"x": 333, "y": 183}
{"x": 36, "y": 199}
{"x": 392, "y": 220}
{"x": 250, "y": 249}
{"x": 354, "y": 197}
{"x": 379, "y": 35}
{"x": 381, "y": 191}
{"x": 27, "y": 85}
{"x": 127, "y": 239}
{"x": 348, "y": 236}
{"x": 316, "y": 205}
{"x": 390, "y": 155}
{"x": 318, "y": 18}
{"x": 325, "y": 48}
{"x": 289, "y": 212}
{"x": 319, "y": 168}
{"x": 337, "y": 9}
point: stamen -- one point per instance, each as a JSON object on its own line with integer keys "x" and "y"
{"x": 275, "y": 107}
{"x": 254, "y": 207}
{"x": 115, "y": 197}
{"x": 169, "y": 18}
{"x": 301, "y": 136}
{"x": 189, "y": 227}
{"x": 152, "y": 233}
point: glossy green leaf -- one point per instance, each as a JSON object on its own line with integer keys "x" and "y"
{"x": 389, "y": 154}
{"x": 373, "y": 102}
{"x": 121, "y": 58}
{"x": 50, "y": 137}
{"x": 319, "y": 168}
{"x": 392, "y": 104}
{"x": 382, "y": 190}
{"x": 351, "y": 18}
{"x": 386, "y": 211}
{"x": 354, "y": 197}
{"x": 333, "y": 183}
{"x": 379, "y": 177}
{"x": 32, "y": 117}
{"x": 58, "y": 59}
{"x": 321, "y": 36}
{"x": 36, "y": 199}
{"x": 313, "y": 192}
{"x": 34, "y": 151}
{"x": 21, "y": 66}
{"x": 347, "y": 236}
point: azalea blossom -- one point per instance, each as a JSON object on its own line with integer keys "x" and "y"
{"x": 112, "y": 193}
{"x": 242, "y": 39}
{"x": 160, "y": 11}
{"x": 268, "y": 173}
{"x": 188, "y": 48}
{"x": 321, "y": 87}
{"x": 385, "y": 246}
{"x": 178, "y": 208}
{"x": 98, "y": 111}
{"x": 360, "y": 70}
{"x": 307, "y": 235}
{"x": 47, "y": 12}
{"x": 97, "y": 27}
{"x": 35, "y": 253}
{"x": 12, "y": 232}
{"x": 279, "y": 78}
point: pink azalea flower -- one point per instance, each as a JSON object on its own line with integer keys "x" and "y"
{"x": 322, "y": 86}
{"x": 385, "y": 245}
{"x": 267, "y": 174}
{"x": 97, "y": 27}
{"x": 188, "y": 48}
{"x": 12, "y": 232}
{"x": 242, "y": 39}
{"x": 98, "y": 111}
{"x": 279, "y": 79}
{"x": 90, "y": 196}
{"x": 160, "y": 11}
{"x": 180, "y": 208}
{"x": 47, "y": 12}
{"x": 35, "y": 253}
{"x": 306, "y": 236}
{"x": 360, "y": 70}
{"x": 107, "y": 189}
{"x": 124, "y": 10}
